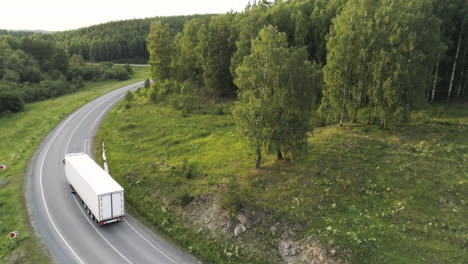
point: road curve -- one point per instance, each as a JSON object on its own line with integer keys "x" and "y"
{"x": 58, "y": 218}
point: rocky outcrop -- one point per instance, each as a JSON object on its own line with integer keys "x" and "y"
{"x": 307, "y": 251}
{"x": 243, "y": 228}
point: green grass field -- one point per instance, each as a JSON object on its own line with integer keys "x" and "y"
{"x": 395, "y": 196}
{"x": 20, "y": 136}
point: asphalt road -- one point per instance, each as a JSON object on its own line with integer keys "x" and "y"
{"x": 58, "y": 217}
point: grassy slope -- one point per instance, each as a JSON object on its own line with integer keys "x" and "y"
{"x": 387, "y": 196}
{"x": 20, "y": 135}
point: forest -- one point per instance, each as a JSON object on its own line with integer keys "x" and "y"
{"x": 35, "y": 67}
{"x": 290, "y": 62}
{"x": 118, "y": 41}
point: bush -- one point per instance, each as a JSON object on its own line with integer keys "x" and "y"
{"x": 129, "y": 96}
{"x": 116, "y": 72}
{"x": 32, "y": 92}
{"x": 147, "y": 83}
{"x": 231, "y": 198}
{"x": 152, "y": 95}
{"x": 11, "y": 76}
{"x": 10, "y": 100}
{"x": 92, "y": 72}
{"x": 128, "y": 68}
{"x": 185, "y": 199}
{"x": 54, "y": 88}
{"x": 77, "y": 83}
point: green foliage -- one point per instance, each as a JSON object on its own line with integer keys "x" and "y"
{"x": 118, "y": 41}
{"x": 377, "y": 196}
{"x": 160, "y": 50}
{"x": 128, "y": 68}
{"x": 152, "y": 95}
{"x": 147, "y": 83}
{"x": 117, "y": 72}
{"x": 276, "y": 95}
{"x": 21, "y": 134}
{"x": 188, "y": 66}
{"x": 77, "y": 83}
{"x": 129, "y": 96}
{"x": 38, "y": 68}
{"x": 214, "y": 50}
{"x": 10, "y": 99}
{"x": 171, "y": 183}
{"x": 380, "y": 57}
{"x": 231, "y": 198}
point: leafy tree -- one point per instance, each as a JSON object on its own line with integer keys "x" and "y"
{"x": 275, "y": 95}
{"x": 215, "y": 48}
{"x": 160, "y": 48}
{"x": 380, "y": 54}
{"x": 345, "y": 71}
{"x": 128, "y": 96}
{"x": 147, "y": 83}
{"x": 11, "y": 99}
{"x": 188, "y": 64}
{"x": 323, "y": 13}
{"x": 407, "y": 43}
{"x": 246, "y": 26}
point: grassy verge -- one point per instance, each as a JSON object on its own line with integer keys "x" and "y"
{"x": 20, "y": 135}
{"x": 382, "y": 196}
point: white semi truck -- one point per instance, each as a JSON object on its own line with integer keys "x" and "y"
{"x": 102, "y": 196}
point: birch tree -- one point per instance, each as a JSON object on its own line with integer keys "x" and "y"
{"x": 462, "y": 28}
{"x": 160, "y": 49}
{"x": 276, "y": 94}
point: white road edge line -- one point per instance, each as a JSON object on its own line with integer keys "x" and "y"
{"x": 66, "y": 150}
{"x": 95, "y": 121}
{"x": 134, "y": 229}
{"x": 81, "y": 121}
{"x": 147, "y": 241}
{"x": 92, "y": 224}
{"x": 43, "y": 196}
{"x": 42, "y": 189}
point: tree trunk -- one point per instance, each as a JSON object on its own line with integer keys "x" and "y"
{"x": 259, "y": 158}
{"x": 464, "y": 85}
{"x": 342, "y": 109}
{"x": 355, "y": 115}
{"x": 461, "y": 75}
{"x": 279, "y": 155}
{"x": 455, "y": 61}
{"x": 369, "y": 113}
{"x": 434, "y": 85}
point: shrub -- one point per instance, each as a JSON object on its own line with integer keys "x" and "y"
{"x": 231, "y": 197}
{"x": 185, "y": 199}
{"x": 147, "y": 83}
{"x": 92, "y": 72}
{"x": 10, "y": 100}
{"x": 11, "y": 76}
{"x": 151, "y": 95}
{"x": 32, "y": 92}
{"x": 117, "y": 72}
{"x": 53, "y": 88}
{"x": 77, "y": 83}
{"x": 128, "y": 68}
{"x": 129, "y": 96}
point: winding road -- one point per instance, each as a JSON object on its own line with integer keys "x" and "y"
{"x": 58, "y": 217}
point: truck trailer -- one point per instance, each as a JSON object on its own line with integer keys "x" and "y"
{"x": 102, "y": 196}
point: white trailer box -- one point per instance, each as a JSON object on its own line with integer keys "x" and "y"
{"x": 102, "y": 196}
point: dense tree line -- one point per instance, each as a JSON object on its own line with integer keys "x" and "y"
{"x": 35, "y": 67}
{"x": 22, "y": 33}
{"x": 356, "y": 60}
{"x": 119, "y": 41}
